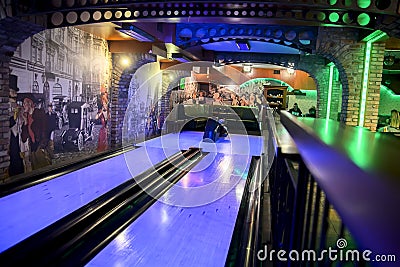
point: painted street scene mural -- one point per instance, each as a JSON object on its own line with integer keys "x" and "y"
{"x": 59, "y": 98}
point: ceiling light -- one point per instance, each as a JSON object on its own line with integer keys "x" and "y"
{"x": 180, "y": 57}
{"x": 136, "y": 33}
{"x": 243, "y": 45}
{"x": 246, "y": 68}
{"x": 125, "y": 61}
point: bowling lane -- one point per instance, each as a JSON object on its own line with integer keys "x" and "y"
{"x": 233, "y": 144}
{"x": 177, "y": 234}
{"x": 28, "y": 211}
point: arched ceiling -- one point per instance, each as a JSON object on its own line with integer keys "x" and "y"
{"x": 267, "y": 26}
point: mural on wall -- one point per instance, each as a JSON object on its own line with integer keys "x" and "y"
{"x": 59, "y": 87}
{"x": 142, "y": 117}
{"x": 212, "y": 94}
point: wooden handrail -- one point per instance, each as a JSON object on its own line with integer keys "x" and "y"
{"x": 359, "y": 172}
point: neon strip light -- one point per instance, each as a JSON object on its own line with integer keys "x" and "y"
{"x": 364, "y": 88}
{"x": 328, "y": 108}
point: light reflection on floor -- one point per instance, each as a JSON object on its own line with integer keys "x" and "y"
{"x": 183, "y": 232}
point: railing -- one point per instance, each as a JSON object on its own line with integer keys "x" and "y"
{"x": 334, "y": 191}
{"x": 245, "y": 238}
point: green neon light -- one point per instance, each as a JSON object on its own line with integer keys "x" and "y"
{"x": 364, "y": 88}
{"x": 328, "y": 108}
{"x": 373, "y": 37}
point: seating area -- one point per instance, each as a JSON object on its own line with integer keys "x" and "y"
{"x": 248, "y": 116}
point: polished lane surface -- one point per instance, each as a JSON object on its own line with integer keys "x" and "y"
{"x": 192, "y": 224}
{"x": 233, "y": 144}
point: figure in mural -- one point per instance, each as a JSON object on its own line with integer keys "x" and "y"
{"x": 65, "y": 111}
{"x": 202, "y": 97}
{"x": 52, "y": 125}
{"x": 244, "y": 100}
{"x": 103, "y": 115}
{"x": 152, "y": 122}
{"x": 217, "y": 99}
{"x": 252, "y": 100}
{"x": 37, "y": 129}
{"x": 16, "y": 123}
{"x": 258, "y": 100}
{"x": 235, "y": 100}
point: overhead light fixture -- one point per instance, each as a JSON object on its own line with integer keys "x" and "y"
{"x": 136, "y": 33}
{"x": 290, "y": 71}
{"x": 246, "y": 68}
{"x": 179, "y": 57}
{"x": 243, "y": 45}
{"x": 290, "y": 68}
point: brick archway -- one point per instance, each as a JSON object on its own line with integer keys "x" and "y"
{"x": 121, "y": 79}
{"x": 347, "y": 53}
{"x": 316, "y": 67}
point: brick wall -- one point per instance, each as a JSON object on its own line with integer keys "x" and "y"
{"x": 117, "y": 109}
{"x": 322, "y": 95}
{"x": 336, "y": 96}
{"x": 170, "y": 79}
{"x": 375, "y": 78}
